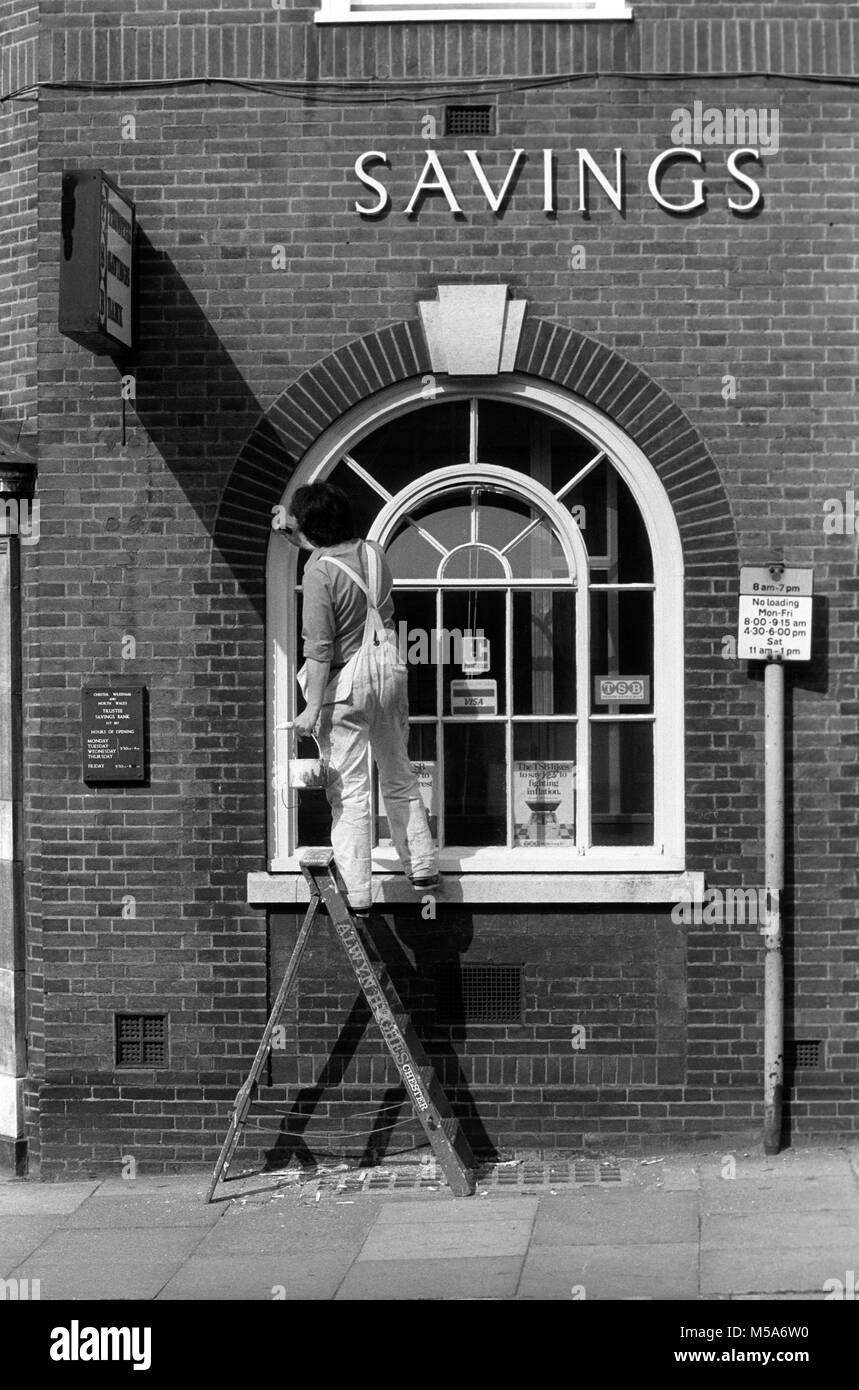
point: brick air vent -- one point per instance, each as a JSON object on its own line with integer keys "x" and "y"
{"x": 141, "y": 1040}
{"x": 469, "y": 120}
{"x": 479, "y": 994}
{"x": 803, "y": 1056}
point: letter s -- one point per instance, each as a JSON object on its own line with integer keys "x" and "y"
{"x": 372, "y": 209}
{"x": 744, "y": 179}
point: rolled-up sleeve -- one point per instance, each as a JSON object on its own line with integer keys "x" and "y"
{"x": 317, "y": 625}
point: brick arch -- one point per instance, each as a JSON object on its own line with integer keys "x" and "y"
{"x": 548, "y": 351}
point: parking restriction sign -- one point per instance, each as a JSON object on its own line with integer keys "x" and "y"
{"x": 775, "y": 613}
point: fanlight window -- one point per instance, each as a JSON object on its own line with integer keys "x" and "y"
{"x": 524, "y": 597}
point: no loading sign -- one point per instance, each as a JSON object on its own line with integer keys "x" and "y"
{"x": 775, "y": 613}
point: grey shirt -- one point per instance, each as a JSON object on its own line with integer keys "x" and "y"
{"x": 334, "y": 608}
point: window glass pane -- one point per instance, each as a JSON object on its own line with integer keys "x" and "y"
{"x": 544, "y": 761}
{"x": 635, "y": 561}
{"x": 410, "y": 556}
{"x": 504, "y": 435}
{"x": 538, "y": 555}
{"x": 422, "y": 751}
{"x": 500, "y": 517}
{"x": 314, "y": 813}
{"x": 587, "y": 500}
{"x": 544, "y": 650}
{"x": 478, "y": 688}
{"x": 621, "y": 645}
{"x": 416, "y": 444}
{"x": 447, "y": 520}
{"x": 475, "y": 784}
{"x": 366, "y": 503}
{"x": 474, "y": 563}
{"x": 414, "y": 616}
{"x": 622, "y": 783}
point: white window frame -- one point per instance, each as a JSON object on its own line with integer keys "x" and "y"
{"x": 668, "y": 852}
{"x": 428, "y": 11}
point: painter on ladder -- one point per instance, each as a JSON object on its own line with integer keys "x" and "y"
{"x": 354, "y": 682}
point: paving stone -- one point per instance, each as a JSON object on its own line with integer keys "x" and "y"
{"x": 611, "y": 1272}
{"x": 42, "y": 1198}
{"x": 459, "y": 1209}
{"x": 19, "y": 1236}
{"x": 171, "y": 1209}
{"x": 790, "y": 1230}
{"x": 767, "y": 1269}
{"x": 271, "y": 1233}
{"x": 494, "y": 1277}
{"x": 446, "y": 1240}
{"x": 778, "y": 1194}
{"x": 631, "y": 1218}
{"x": 259, "y": 1277}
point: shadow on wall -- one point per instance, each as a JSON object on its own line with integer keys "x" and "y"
{"x": 198, "y": 410}
{"x": 385, "y": 1125}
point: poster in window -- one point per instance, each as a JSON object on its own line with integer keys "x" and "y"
{"x": 428, "y": 782}
{"x": 544, "y": 803}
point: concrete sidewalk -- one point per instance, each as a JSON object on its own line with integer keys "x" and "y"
{"x": 678, "y": 1227}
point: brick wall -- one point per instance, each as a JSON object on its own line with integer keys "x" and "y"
{"x": 219, "y": 177}
{"x": 18, "y": 131}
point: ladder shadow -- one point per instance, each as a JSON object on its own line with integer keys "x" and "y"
{"x": 412, "y": 983}
{"x": 415, "y": 985}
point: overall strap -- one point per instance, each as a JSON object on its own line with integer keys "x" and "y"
{"x": 373, "y": 574}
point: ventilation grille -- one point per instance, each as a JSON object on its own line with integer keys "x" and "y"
{"x": 468, "y": 120}
{"x": 479, "y": 994}
{"x": 141, "y": 1040}
{"x": 803, "y": 1056}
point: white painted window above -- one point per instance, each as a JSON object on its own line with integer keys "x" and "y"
{"x": 412, "y": 11}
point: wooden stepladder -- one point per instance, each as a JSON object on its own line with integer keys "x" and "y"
{"x": 421, "y": 1083}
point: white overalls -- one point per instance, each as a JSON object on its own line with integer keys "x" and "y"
{"x": 367, "y": 703}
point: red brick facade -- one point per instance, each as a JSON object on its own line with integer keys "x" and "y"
{"x": 163, "y": 540}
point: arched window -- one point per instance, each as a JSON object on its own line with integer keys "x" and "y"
{"x": 538, "y": 600}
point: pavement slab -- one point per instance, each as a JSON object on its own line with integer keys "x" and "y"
{"x": 769, "y": 1270}
{"x": 499, "y": 1207}
{"x": 492, "y": 1277}
{"x": 267, "y": 1278}
{"x": 618, "y": 1218}
{"x": 272, "y": 1233}
{"x": 43, "y": 1199}
{"x": 167, "y": 1209}
{"x": 610, "y": 1272}
{"x": 787, "y": 1229}
{"x": 447, "y": 1240}
{"x": 745, "y": 1196}
{"x": 108, "y": 1263}
{"x": 19, "y": 1237}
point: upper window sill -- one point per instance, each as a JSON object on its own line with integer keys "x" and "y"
{"x": 347, "y": 12}
{"x": 290, "y": 887}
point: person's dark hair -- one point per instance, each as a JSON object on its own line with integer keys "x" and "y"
{"x": 324, "y": 513}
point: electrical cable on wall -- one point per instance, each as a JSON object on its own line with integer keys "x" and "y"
{"x": 334, "y": 91}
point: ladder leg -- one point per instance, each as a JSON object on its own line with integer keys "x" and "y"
{"x": 243, "y": 1099}
{"x": 445, "y": 1135}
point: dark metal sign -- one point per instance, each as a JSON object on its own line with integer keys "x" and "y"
{"x": 113, "y": 732}
{"x": 96, "y": 262}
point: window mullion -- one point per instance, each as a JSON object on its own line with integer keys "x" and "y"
{"x": 439, "y": 710}
{"x": 508, "y": 711}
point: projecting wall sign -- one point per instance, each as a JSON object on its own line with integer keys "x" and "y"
{"x": 775, "y": 613}
{"x": 97, "y": 263}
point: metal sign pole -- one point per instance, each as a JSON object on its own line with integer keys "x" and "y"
{"x": 774, "y": 955}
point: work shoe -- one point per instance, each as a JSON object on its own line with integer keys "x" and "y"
{"x": 422, "y": 882}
